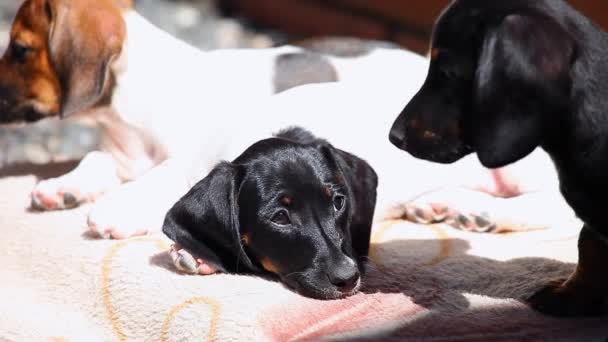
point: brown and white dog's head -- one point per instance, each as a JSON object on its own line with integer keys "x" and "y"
{"x": 59, "y": 56}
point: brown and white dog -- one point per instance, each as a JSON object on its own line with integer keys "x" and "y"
{"x": 168, "y": 112}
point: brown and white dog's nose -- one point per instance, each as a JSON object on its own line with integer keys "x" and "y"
{"x": 345, "y": 278}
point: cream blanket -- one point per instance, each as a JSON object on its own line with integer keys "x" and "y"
{"x": 426, "y": 283}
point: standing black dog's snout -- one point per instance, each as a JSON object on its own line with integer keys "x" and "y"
{"x": 345, "y": 278}
{"x": 397, "y": 137}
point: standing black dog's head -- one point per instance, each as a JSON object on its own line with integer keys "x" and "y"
{"x": 292, "y": 205}
{"x": 499, "y": 77}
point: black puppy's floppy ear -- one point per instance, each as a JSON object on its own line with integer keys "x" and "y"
{"x": 522, "y": 74}
{"x": 362, "y": 183}
{"x": 205, "y": 221}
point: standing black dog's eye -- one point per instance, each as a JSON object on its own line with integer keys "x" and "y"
{"x": 339, "y": 202}
{"x": 281, "y": 218}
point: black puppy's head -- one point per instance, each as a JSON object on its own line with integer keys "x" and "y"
{"x": 499, "y": 76}
{"x": 293, "y": 206}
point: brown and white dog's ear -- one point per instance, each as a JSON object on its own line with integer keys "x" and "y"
{"x": 85, "y": 37}
{"x": 125, "y": 3}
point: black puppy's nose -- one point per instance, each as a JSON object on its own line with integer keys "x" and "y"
{"x": 344, "y": 278}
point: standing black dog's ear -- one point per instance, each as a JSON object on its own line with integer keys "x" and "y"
{"x": 205, "y": 221}
{"x": 522, "y": 76}
{"x": 362, "y": 183}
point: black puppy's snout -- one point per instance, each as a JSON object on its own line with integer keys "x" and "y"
{"x": 345, "y": 278}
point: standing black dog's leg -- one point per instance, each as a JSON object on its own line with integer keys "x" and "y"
{"x": 586, "y": 291}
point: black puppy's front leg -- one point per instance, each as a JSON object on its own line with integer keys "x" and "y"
{"x": 585, "y": 292}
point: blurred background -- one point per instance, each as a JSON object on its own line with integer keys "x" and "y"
{"x": 215, "y": 24}
{"x": 198, "y": 22}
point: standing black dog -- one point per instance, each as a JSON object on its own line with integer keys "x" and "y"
{"x": 505, "y": 78}
{"x": 292, "y": 206}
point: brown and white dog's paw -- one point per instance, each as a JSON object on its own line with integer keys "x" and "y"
{"x": 429, "y": 213}
{"x": 95, "y": 175}
{"x": 186, "y": 263}
{"x": 423, "y": 213}
{"x": 469, "y": 210}
{"x": 130, "y": 210}
{"x": 58, "y": 193}
{"x": 119, "y": 219}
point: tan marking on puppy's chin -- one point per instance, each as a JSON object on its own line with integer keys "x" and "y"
{"x": 245, "y": 239}
{"x": 269, "y": 265}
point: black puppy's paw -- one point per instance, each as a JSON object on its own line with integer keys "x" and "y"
{"x": 187, "y": 263}
{"x": 558, "y": 299}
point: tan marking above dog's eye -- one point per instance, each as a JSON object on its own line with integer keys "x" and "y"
{"x": 328, "y": 192}
{"x": 286, "y": 201}
{"x": 434, "y": 53}
{"x": 28, "y": 39}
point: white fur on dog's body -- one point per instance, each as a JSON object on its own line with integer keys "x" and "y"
{"x": 177, "y": 111}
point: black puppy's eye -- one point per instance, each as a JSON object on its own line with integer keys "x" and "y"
{"x": 281, "y": 218}
{"x": 339, "y": 201}
{"x": 20, "y": 51}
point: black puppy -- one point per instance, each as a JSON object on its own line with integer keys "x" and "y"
{"x": 505, "y": 78}
{"x": 293, "y": 206}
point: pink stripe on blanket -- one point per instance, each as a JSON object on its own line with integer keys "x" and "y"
{"x": 309, "y": 319}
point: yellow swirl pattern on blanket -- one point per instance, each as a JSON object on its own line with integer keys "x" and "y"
{"x": 214, "y": 305}
{"x": 215, "y": 317}
{"x": 378, "y": 234}
{"x": 106, "y": 270}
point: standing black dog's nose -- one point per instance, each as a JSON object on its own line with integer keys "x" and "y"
{"x": 397, "y": 136}
{"x": 344, "y": 278}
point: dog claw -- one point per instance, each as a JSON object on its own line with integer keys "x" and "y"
{"x": 472, "y": 223}
{"x": 69, "y": 200}
{"x": 481, "y": 221}
{"x": 418, "y": 215}
{"x": 58, "y": 201}
{"x": 183, "y": 260}
{"x": 186, "y": 263}
{"x": 438, "y": 213}
{"x": 464, "y": 222}
{"x": 483, "y": 224}
{"x": 434, "y": 213}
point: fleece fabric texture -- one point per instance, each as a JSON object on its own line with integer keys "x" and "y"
{"x": 424, "y": 283}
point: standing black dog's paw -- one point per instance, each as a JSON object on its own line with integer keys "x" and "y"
{"x": 560, "y": 300}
